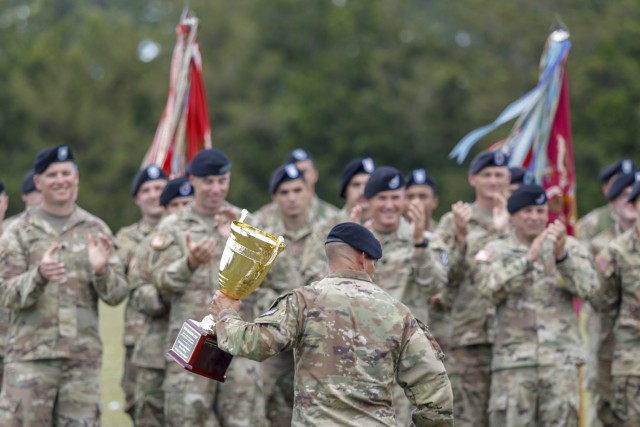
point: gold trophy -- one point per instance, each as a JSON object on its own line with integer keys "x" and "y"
{"x": 247, "y": 258}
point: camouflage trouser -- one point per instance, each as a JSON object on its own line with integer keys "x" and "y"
{"x": 545, "y": 396}
{"x": 193, "y": 400}
{"x": 149, "y": 405}
{"x": 51, "y": 392}
{"x": 128, "y": 381}
{"x": 278, "y": 377}
{"x": 626, "y": 400}
{"x": 469, "y": 370}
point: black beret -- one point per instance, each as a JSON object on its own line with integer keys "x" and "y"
{"x": 298, "y": 155}
{"x": 1, "y": 187}
{"x": 385, "y": 178}
{"x": 60, "y": 153}
{"x": 28, "y": 184}
{"x": 150, "y": 173}
{"x": 487, "y": 159}
{"x": 635, "y": 191}
{"x": 520, "y": 176}
{"x": 284, "y": 173}
{"x": 620, "y": 182}
{"x": 621, "y": 166}
{"x": 356, "y": 236}
{"x": 179, "y": 187}
{"x": 210, "y": 162}
{"x": 353, "y": 168}
{"x": 526, "y": 195}
{"x": 420, "y": 177}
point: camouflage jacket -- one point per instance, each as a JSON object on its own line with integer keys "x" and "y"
{"x": 129, "y": 238}
{"x": 471, "y": 312}
{"x": 55, "y": 319}
{"x": 351, "y": 342}
{"x": 269, "y": 215}
{"x": 619, "y": 266}
{"x": 536, "y": 324}
{"x": 594, "y": 222}
{"x": 187, "y": 291}
{"x": 411, "y": 275}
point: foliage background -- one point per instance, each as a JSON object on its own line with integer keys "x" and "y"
{"x": 399, "y": 80}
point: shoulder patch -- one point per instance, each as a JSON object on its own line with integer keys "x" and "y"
{"x": 160, "y": 241}
{"x": 444, "y": 257}
{"x": 602, "y": 262}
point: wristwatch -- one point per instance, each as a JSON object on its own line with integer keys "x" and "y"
{"x": 423, "y": 244}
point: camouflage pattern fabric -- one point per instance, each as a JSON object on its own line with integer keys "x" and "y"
{"x": 593, "y": 223}
{"x": 619, "y": 266}
{"x": 189, "y": 399}
{"x": 54, "y": 351}
{"x": 626, "y": 405}
{"x": 149, "y": 398}
{"x": 471, "y": 318}
{"x": 351, "y": 341}
{"x": 319, "y": 210}
{"x": 534, "y": 396}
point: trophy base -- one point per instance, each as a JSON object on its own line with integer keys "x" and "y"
{"x": 197, "y": 351}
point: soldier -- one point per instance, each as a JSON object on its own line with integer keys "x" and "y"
{"x": 600, "y": 218}
{"x": 532, "y": 276}
{"x": 145, "y": 189}
{"x": 4, "y": 205}
{"x": 351, "y": 340}
{"x": 320, "y": 210}
{"x": 187, "y": 255}
{"x": 4, "y": 313}
{"x": 421, "y": 186}
{"x": 148, "y": 353}
{"x": 465, "y": 230}
{"x": 55, "y": 263}
{"x": 291, "y": 193}
{"x": 31, "y": 197}
{"x": 519, "y": 176}
{"x": 414, "y": 267}
{"x": 619, "y": 267}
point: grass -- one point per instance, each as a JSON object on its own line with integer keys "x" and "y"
{"x": 111, "y": 331}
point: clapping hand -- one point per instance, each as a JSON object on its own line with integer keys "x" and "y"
{"x": 201, "y": 252}
{"x": 50, "y": 268}
{"x": 99, "y": 252}
{"x": 462, "y": 213}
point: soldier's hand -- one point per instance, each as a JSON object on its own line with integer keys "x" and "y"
{"x": 99, "y": 252}
{"x": 500, "y": 213}
{"x": 223, "y": 219}
{"x": 415, "y": 212}
{"x": 50, "y": 268}
{"x": 201, "y": 252}
{"x": 356, "y": 214}
{"x": 461, "y": 215}
{"x": 557, "y": 234}
{"x": 220, "y": 302}
{"x": 535, "y": 250}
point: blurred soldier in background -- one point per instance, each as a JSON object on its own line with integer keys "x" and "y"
{"x": 532, "y": 276}
{"x": 421, "y": 186}
{"x": 186, "y": 258}
{"x": 149, "y": 351}
{"x": 619, "y": 266}
{"x": 145, "y": 189}
{"x": 465, "y": 230}
{"x": 55, "y": 263}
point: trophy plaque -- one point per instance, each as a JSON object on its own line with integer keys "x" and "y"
{"x": 248, "y": 256}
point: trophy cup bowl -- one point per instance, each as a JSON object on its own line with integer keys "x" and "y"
{"x": 247, "y": 258}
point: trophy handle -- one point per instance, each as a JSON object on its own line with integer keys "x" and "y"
{"x": 275, "y": 250}
{"x": 243, "y": 215}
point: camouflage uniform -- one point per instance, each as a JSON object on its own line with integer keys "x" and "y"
{"x": 412, "y": 276}
{"x": 300, "y": 265}
{"x": 148, "y": 352}
{"x": 594, "y": 223}
{"x": 351, "y": 339}
{"x": 129, "y": 238}
{"x": 469, "y": 359}
{"x": 190, "y": 399}
{"x": 53, "y": 352}
{"x": 598, "y": 334}
{"x": 619, "y": 266}
{"x": 536, "y": 327}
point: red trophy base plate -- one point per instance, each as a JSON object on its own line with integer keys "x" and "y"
{"x": 196, "y": 350}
